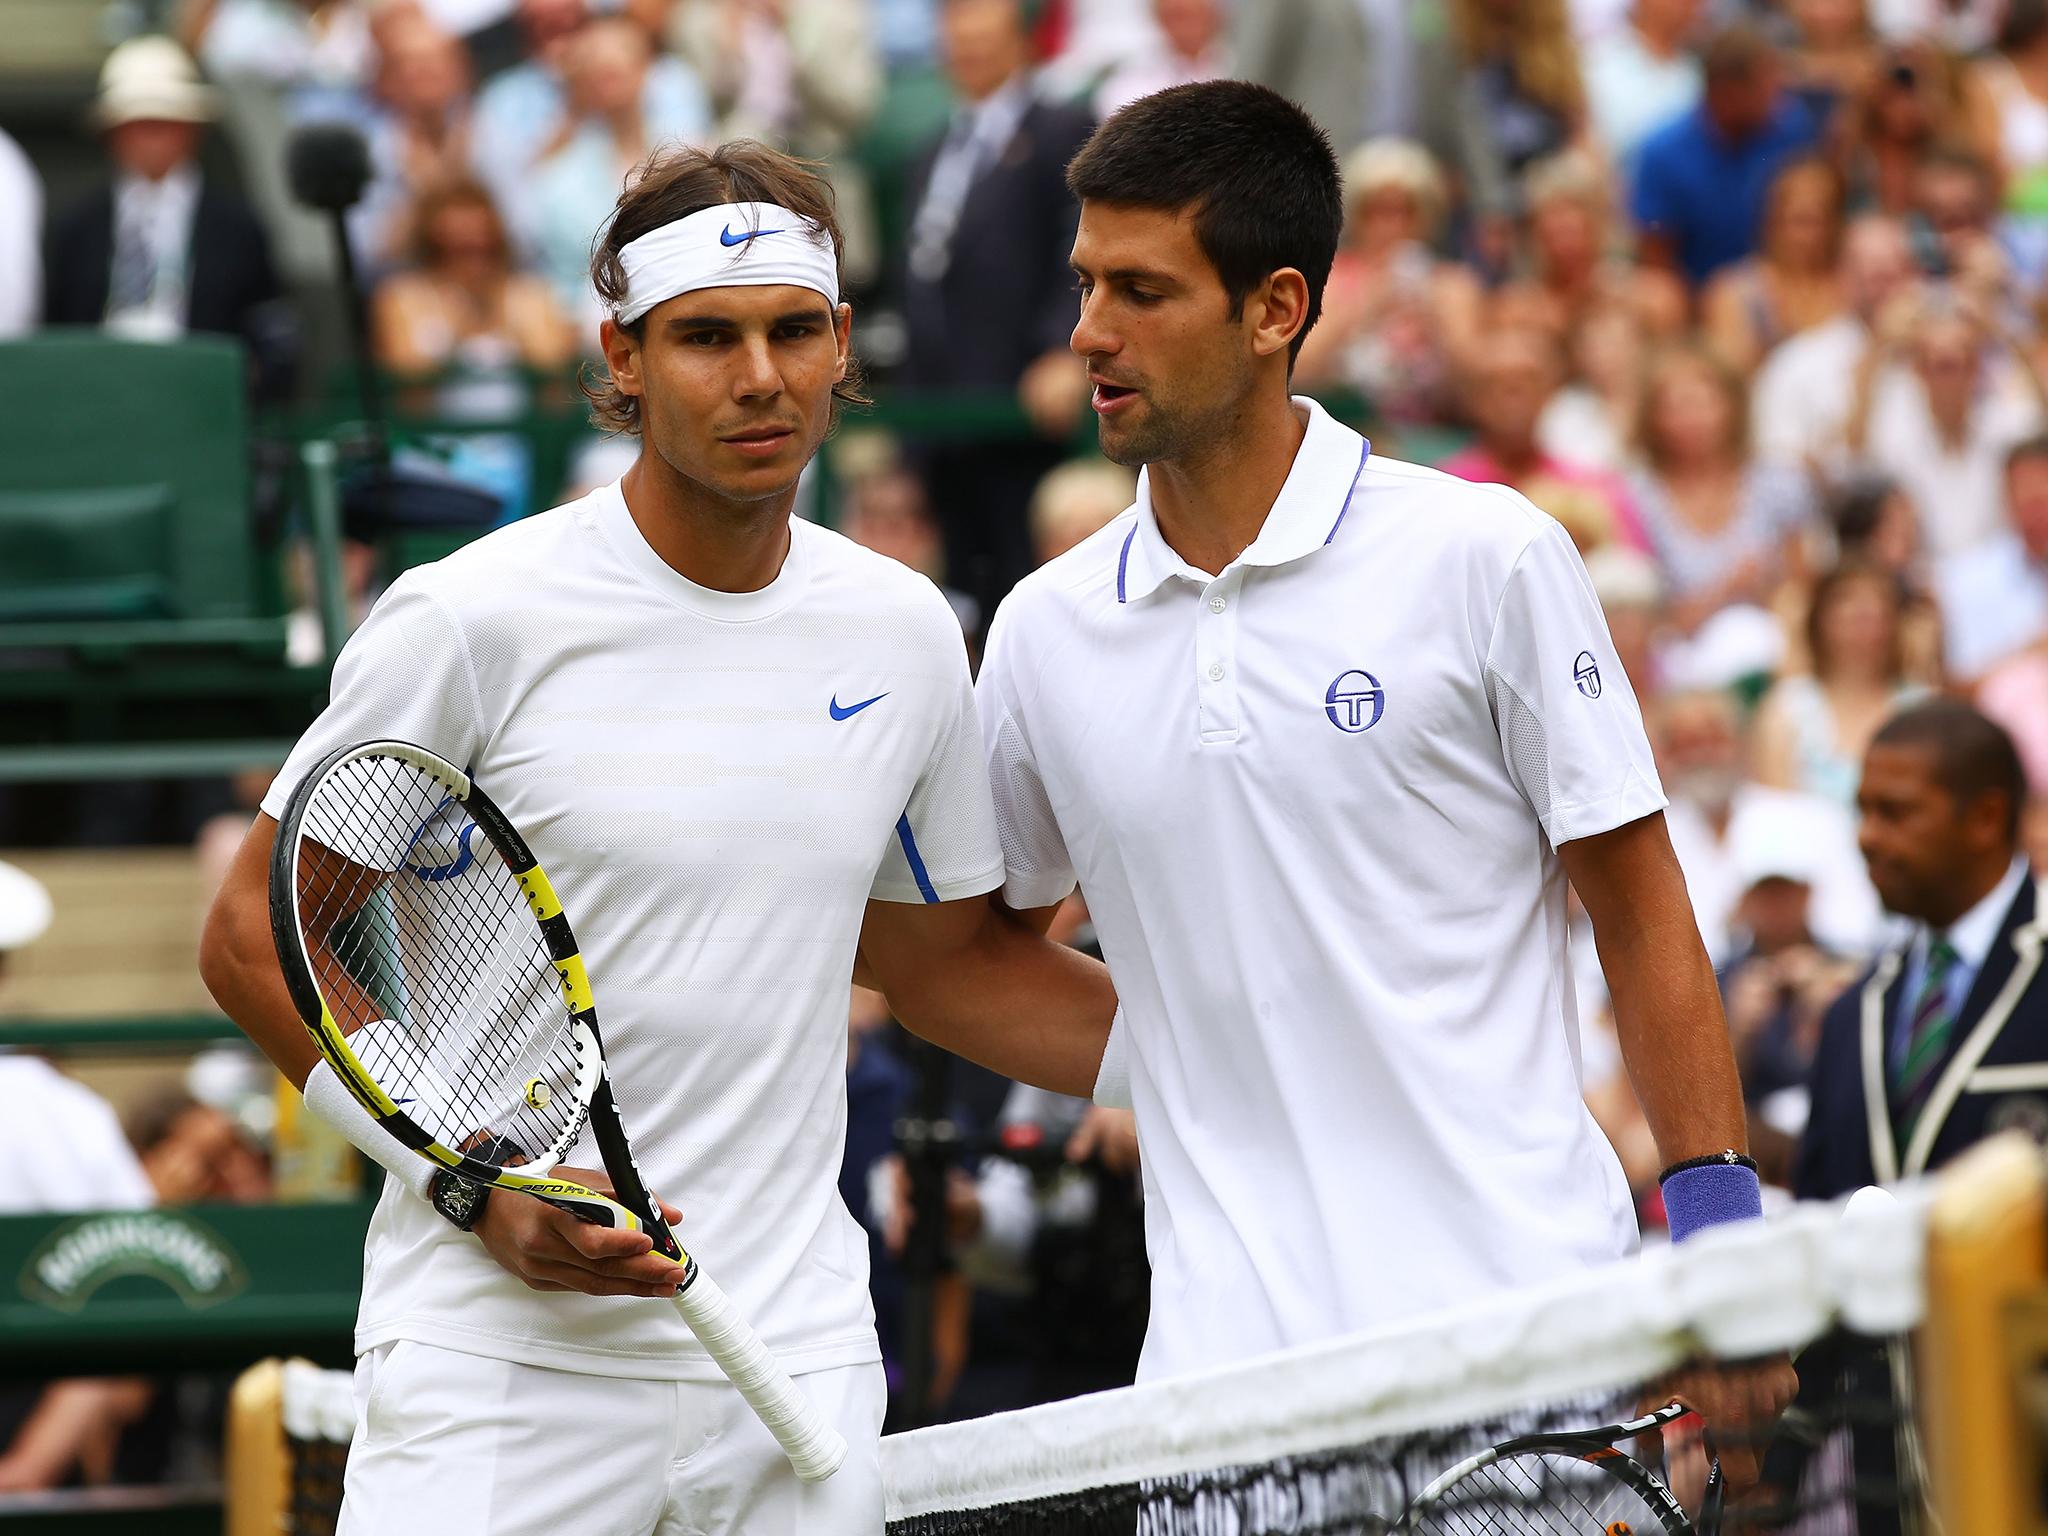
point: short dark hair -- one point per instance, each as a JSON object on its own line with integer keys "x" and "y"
{"x": 1857, "y": 508}
{"x": 1740, "y": 51}
{"x": 2035, "y": 447}
{"x": 672, "y": 184}
{"x": 1972, "y": 753}
{"x": 1257, "y": 172}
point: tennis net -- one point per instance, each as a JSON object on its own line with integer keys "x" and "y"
{"x": 1341, "y": 1439}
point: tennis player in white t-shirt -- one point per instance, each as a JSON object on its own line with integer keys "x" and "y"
{"x": 1321, "y": 736}
{"x": 745, "y": 747}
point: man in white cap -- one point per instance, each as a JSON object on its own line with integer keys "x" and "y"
{"x": 160, "y": 250}
{"x": 63, "y": 1149}
{"x": 743, "y": 746}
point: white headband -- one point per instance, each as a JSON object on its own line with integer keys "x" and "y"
{"x": 730, "y": 245}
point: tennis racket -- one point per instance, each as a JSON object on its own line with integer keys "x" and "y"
{"x": 432, "y": 962}
{"x": 1575, "y": 1483}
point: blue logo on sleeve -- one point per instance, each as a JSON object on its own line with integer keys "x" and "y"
{"x": 1586, "y": 675}
{"x": 847, "y": 712}
{"x": 1355, "y": 702}
{"x": 727, "y": 237}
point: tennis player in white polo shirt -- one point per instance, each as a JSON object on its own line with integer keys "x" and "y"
{"x": 1322, "y": 736}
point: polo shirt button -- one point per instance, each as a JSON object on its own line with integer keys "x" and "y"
{"x": 1217, "y": 605}
{"x": 1215, "y": 671}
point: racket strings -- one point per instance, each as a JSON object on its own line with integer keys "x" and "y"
{"x": 431, "y": 961}
{"x": 1542, "y": 1494}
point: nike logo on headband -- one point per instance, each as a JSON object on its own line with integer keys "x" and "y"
{"x": 727, "y": 237}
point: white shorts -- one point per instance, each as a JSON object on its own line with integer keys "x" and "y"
{"x": 448, "y": 1442}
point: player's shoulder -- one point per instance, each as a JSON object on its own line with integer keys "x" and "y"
{"x": 848, "y": 576}
{"x": 1083, "y": 575}
{"x": 527, "y": 557}
{"x": 1429, "y": 515}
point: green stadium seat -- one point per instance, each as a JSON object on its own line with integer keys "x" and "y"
{"x": 124, "y": 496}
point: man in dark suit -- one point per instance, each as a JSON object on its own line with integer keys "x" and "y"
{"x": 988, "y": 297}
{"x": 161, "y": 251}
{"x": 1945, "y": 1039}
{"x": 1943, "y": 1042}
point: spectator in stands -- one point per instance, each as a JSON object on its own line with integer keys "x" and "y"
{"x": 1643, "y": 75}
{"x": 417, "y": 122}
{"x": 461, "y": 315}
{"x": 1700, "y": 181}
{"x": 1781, "y": 978}
{"x": 1631, "y": 599}
{"x": 1368, "y": 69}
{"x": 1574, "y": 273}
{"x": 1910, "y": 108}
{"x": 1940, "y": 420}
{"x": 1190, "y": 47}
{"x": 1396, "y": 322}
{"x": 1521, "y": 76}
{"x": 1715, "y": 804}
{"x": 1953, "y": 217}
{"x": 1994, "y": 595}
{"x": 886, "y": 510}
{"x": 1941, "y": 799}
{"x": 603, "y": 134}
{"x": 1834, "y": 56}
{"x": 2006, "y": 97}
{"x": 1793, "y": 282}
{"x": 1075, "y": 500}
{"x": 520, "y": 109}
{"x": 1593, "y": 419}
{"x": 1812, "y": 728}
{"x": 993, "y": 218}
{"x": 1874, "y": 525}
{"x": 63, "y": 1150}
{"x": 461, "y": 305}
{"x": 161, "y": 250}
{"x": 194, "y": 1153}
{"x": 21, "y": 234}
{"x": 1506, "y": 388}
{"x": 804, "y": 75}
{"x": 1800, "y": 410}
{"x": 1725, "y": 529}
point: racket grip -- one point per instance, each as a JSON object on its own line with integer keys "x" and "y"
{"x": 813, "y": 1446}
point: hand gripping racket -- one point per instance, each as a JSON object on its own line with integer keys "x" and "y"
{"x": 1574, "y": 1483}
{"x": 432, "y": 962}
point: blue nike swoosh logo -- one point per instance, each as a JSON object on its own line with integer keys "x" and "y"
{"x": 852, "y": 709}
{"x": 727, "y": 237}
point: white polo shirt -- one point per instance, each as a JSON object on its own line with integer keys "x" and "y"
{"x": 1313, "y": 802}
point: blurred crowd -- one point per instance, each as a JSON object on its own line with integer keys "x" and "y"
{"x": 1751, "y": 297}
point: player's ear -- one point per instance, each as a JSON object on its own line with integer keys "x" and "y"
{"x": 621, "y": 356}
{"x": 842, "y": 340}
{"x": 1277, "y": 310}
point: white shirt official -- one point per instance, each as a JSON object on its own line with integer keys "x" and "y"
{"x": 1313, "y": 801}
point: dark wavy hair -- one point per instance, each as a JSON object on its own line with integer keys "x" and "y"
{"x": 674, "y": 183}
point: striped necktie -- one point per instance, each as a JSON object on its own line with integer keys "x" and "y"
{"x": 1927, "y": 1043}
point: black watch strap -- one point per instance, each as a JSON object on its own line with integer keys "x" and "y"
{"x": 460, "y": 1200}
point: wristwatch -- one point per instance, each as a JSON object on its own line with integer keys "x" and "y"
{"x": 459, "y": 1199}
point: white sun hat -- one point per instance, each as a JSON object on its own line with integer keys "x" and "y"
{"x": 24, "y": 908}
{"x": 152, "y": 79}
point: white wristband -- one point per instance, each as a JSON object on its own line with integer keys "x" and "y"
{"x": 333, "y": 1103}
{"x": 1113, "y": 1077}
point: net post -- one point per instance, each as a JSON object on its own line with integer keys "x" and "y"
{"x": 258, "y": 1466}
{"x": 1987, "y": 1259}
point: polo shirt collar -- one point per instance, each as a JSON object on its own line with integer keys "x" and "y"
{"x": 1305, "y": 516}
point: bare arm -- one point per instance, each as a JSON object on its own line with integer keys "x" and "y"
{"x": 980, "y": 981}
{"x": 239, "y": 964}
{"x": 1667, "y": 1006}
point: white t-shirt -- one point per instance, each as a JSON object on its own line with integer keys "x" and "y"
{"x": 62, "y": 1145}
{"x": 1313, "y": 802}
{"x": 1958, "y": 492}
{"x": 716, "y": 783}
{"x": 1799, "y": 410}
{"x": 1994, "y": 603}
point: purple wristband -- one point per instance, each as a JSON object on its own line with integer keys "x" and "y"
{"x": 1710, "y": 1195}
